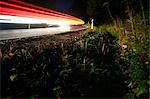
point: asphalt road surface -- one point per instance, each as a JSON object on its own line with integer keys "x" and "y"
{"x": 22, "y": 33}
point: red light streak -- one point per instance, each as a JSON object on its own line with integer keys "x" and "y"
{"x": 41, "y": 8}
{"x": 21, "y": 11}
{"x": 13, "y": 12}
{"x": 30, "y": 10}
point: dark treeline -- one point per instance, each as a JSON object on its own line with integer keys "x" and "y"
{"x": 105, "y": 10}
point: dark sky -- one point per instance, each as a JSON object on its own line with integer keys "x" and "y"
{"x": 73, "y": 7}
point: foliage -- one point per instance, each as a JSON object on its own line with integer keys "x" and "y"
{"x": 84, "y": 68}
{"x": 133, "y": 38}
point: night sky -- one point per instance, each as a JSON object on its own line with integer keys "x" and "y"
{"x": 76, "y": 8}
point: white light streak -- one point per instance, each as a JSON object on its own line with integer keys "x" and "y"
{"x": 24, "y": 20}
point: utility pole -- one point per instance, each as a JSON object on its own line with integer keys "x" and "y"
{"x": 92, "y": 24}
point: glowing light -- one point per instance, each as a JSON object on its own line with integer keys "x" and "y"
{"x": 12, "y": 13}
{"x": 24, "y": 20}
{"x": 16, "y": 7}
{"x": 64, "y": 27}
{"x": 43, "y": 9}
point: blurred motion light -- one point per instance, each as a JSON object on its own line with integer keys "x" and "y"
{"x": 12, "y": 13}
{"x": 64, "y": 27}
{"x": 24, "y": 20}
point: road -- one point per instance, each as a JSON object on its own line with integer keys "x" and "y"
{"x": 22, "y": 33}
{"x": 17, "y": 12}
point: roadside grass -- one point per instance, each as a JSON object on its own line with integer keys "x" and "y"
{"x": 133, "y": 38}
{"x": 110, "y": 62}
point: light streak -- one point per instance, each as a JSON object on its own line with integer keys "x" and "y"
{"x": 12, "y": 6}
{"x": 41, "y": 8}
{"x": 12, "y": 13}
{"x": 23, "y": 20}
{"x": 64, "y": 27}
